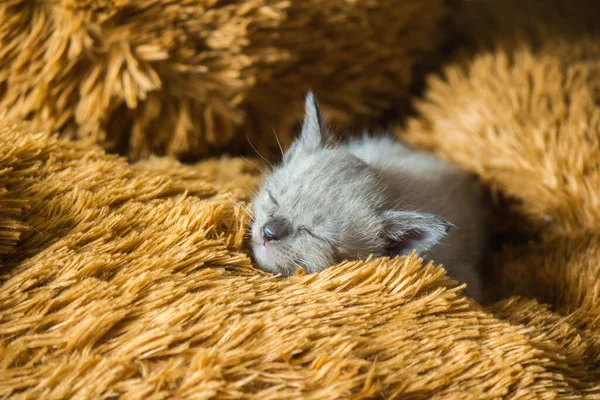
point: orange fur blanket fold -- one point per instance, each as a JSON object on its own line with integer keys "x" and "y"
{"x": 122, "y": 279}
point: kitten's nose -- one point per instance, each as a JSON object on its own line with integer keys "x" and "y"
{"x": 276, "y": 229}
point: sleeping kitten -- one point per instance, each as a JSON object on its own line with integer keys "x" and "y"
{"x": 326, "y": 204}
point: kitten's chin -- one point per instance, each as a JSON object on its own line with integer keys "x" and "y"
{"x": 265, "y": 258}
{"x": 268, "y": 260}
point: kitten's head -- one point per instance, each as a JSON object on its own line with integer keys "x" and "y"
{"x": 324, "y": 205}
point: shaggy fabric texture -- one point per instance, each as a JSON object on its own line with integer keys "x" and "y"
{"x": 520, "y": 106}
{"x": 523, "y": 113}
{"x": 189, "y": 78}
{"x": 135, "y": 280}
{"x": 131, "y": 281}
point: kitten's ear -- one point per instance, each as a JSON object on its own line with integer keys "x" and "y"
{"x": 405, "y": 231}
{"x": 313, "y": 130}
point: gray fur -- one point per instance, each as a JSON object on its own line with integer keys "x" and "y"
{"x": 370, "y": 196}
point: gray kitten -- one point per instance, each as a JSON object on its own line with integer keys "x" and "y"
{"x": 326, "y": 204}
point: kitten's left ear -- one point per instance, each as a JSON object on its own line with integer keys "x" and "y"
{"x": 313, "y": 129}
{"x": 405, "y": 231}
{"x": 312, "y": 136}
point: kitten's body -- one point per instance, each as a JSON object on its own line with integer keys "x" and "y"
{"x": 370, "y": 196}
{"x": 420, "y": 182}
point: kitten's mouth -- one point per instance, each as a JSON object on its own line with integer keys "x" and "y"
{"x": 265, "y": 256}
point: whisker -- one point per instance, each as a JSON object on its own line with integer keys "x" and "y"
{"x": 247, "y": 222}
{"x": 278, "y": 142}
{"x": 238, "y": 220}
{"x": 34, "y": 228}
{"x": 251, "y": 191}
{"x": 260, "y": 167}
{"x": 243, "y": 206}
{"x": 297, "y": 264}
{"x": 260, "y": 155}
{"x": 247, "y": 211}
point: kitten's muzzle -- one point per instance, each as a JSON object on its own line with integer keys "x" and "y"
{"x": 276, "y": 228}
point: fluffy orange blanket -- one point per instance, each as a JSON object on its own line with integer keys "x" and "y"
{"x": 133, "y": 280}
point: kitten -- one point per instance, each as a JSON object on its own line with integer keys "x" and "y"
{"x": 326, "y": 204}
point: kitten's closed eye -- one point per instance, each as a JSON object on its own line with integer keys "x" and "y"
{"x": 272, "y": 198}
{"x": 307, "y": 231}
{"x": 304, "y": 229}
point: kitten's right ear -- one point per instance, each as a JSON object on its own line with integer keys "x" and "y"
{"x": 405, "y": 231}
{"x": 313, "y": 130}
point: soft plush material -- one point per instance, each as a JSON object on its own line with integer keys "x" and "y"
{"x": 124, "y": 279}
{"x": 189, "y": 78}
{"x": 524, "y": 115}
